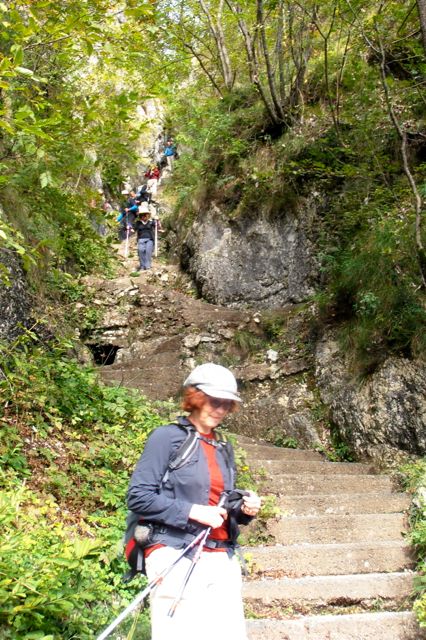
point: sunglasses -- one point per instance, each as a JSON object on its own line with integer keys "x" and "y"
{"x": 219, "y": 403}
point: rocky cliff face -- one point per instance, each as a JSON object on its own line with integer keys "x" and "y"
{"x": 381, "y": 416}
{"x": 14, "y": 298}
{"x": 256, "y": 261}
{"x": 268, "y": 262}
{"x": 150, "y": 336}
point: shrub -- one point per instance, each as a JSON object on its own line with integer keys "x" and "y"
{"x": 414, "y": 478}
{"x": 74, "y": 441}
{"x": 372, "y": 290}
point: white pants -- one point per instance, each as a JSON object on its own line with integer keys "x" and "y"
{"x": 152, "y": 184}
{"x": 211, "y": 606}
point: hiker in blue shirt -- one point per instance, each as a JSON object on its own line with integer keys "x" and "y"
{"x": 169, "y": 152}
{"x": 128, "y": 212}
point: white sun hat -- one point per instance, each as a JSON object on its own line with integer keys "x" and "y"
{"x": 214, "y": 380}
{"x": 144, "y": 208}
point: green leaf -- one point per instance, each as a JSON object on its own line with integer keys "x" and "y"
{"x": 7, "y": 127}
{"x": 24, "y": 112}
{"x": 18, "y": 54}
{"x": 45, "y": 179}
{"x": 24, "y": 71}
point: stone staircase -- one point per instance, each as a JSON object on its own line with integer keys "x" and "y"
{"x": 337, "y": 566}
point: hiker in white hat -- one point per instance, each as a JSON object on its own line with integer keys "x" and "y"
{"x": 184, "y": 484}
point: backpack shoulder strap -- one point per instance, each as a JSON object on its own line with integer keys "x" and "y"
{"x": 184, "y": 452}
{"x": 226, "y": 447}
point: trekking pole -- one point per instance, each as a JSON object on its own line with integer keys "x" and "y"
{"x": 191, "y": 568}
{"x": 126, "y": 247}
{"x": 143, "y": 594}
{"x": 195, "y": 559}
{"x": 156, "y": 236}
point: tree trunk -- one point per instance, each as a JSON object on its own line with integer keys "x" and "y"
{"x": 269, "y": 72}
{"x": 418, "y": 202}
{"x": 421, "y": 6}
{"x": 253, "y": 62}
{"x": 280, "y": 53}
{"x": 219, "y": 39}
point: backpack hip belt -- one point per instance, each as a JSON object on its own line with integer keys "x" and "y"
{"x": 186, "y": 537}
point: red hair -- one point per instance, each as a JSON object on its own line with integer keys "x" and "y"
{"x": 194, "y": 399}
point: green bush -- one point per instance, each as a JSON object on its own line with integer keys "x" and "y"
{"x": 414, "y": 478}
{"x": 372, "y": 290}
{"x": 74, "y": 441}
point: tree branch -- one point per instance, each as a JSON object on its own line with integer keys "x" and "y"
{"x": 260, "y": 27}
{"x": 418, "y": 203}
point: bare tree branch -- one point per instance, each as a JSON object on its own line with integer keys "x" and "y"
{"x": 218, "y": 36}
{"x": 198, "y": 56}
{"x": 418, "y": 202}
{"x": 260, "y": 27}
{"x": 252, "y": 61}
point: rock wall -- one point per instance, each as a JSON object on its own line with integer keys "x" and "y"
{"x": 380, "y": 416}
{"x": 257, "y": 261}
{"x": 14, "y": 298}
{"x": 155, "y": 335}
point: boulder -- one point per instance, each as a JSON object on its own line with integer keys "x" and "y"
{"x": 378, "y": 416}
{"x": 260, "y": 261}
{"x": 14, "y": 297}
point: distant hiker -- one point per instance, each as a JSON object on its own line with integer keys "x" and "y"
{"x": 107, "y": 207}
{"x": 145, "y": 234}
{"x": 128, "y": 212}
{"x": 169, "y": 152}
{"x": 158, "y": 148}
{"x": 174, "y": 147}
{"x": 152, "y": 175}
{"x": 180, "y": 499}
{"x": 143, "y": 194}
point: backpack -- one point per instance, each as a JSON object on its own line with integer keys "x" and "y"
{"x": 138, "y": 534}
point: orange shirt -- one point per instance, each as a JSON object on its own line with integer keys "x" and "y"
{"x": 216, "y": 488}
{"x": 216, "y": 485}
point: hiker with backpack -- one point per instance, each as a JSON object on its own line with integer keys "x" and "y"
{"x": 127, "y": 215}
{"x": 153, "y": 176}
{"x": 145, "y": 235}
{"x": 169, "y": 153}
{"x": 183, "y": 488}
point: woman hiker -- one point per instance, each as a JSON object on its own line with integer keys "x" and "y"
{"x": 182, "y": 502}
{"x": 145, "y": 234}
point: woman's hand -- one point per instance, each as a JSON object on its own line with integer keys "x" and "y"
{"x": 210, "y": 516}
{"x": 251, "y": 504}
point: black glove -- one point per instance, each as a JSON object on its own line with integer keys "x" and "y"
{"x": 234, "y": 500}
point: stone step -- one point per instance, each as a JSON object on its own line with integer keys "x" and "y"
{"x": 299, "y": 560}
{"x": 297, "y": 484}
{"x": 269, "y": 452}
{"x": 331, "y": 590}
{"x": 399, "y": 625}
{"x": 309, "y": 466}
{"x": 311, "y": 505}
{"x": 332, "y": 528}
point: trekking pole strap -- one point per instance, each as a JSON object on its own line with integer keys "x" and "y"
{"x": 142, "y": 595}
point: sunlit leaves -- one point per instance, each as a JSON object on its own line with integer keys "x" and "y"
{"x": 46, "y": 179}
